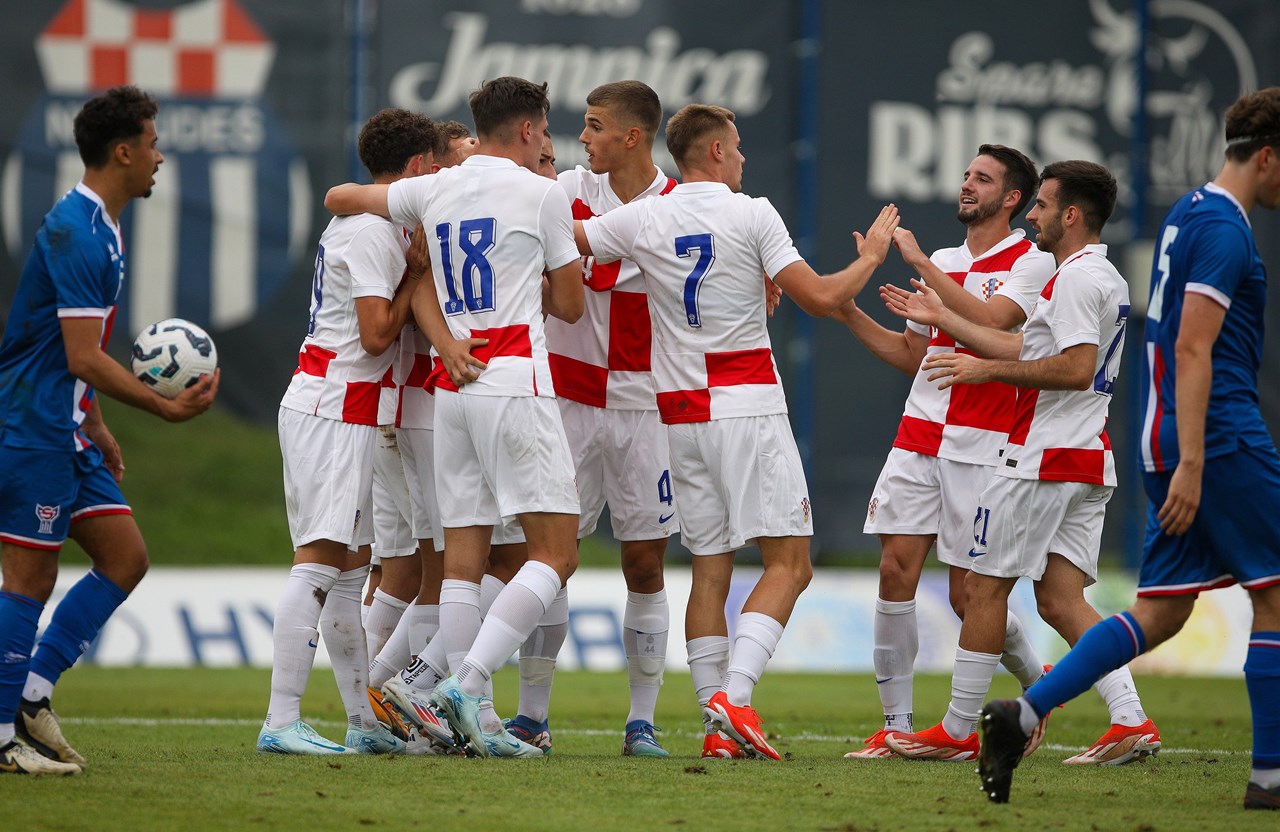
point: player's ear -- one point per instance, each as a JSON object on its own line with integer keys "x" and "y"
{"x": 122, "y": 152}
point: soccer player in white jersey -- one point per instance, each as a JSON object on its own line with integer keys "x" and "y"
{"x": 1041, "y": 514}
{"x": 360, "y": 300}
{"x": 948, "y": 440}
{"x": 604, "y": 386}
{"x": 499, "y": 443}
{"x": 735, "y": 470}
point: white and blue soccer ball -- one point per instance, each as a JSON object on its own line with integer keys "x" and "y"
{"x": 170, "y": 355}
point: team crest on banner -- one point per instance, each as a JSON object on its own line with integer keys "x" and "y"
{"x": 231, "y": 207}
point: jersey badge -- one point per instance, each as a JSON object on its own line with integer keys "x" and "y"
{"x": 46, "y": 515}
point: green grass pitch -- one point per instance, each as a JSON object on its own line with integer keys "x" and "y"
{"x": 173, "y": 750}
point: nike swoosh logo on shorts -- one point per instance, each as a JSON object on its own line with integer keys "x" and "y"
{"x": 665, "y": 518}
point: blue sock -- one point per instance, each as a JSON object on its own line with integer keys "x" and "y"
{"x": 76, "y": 622}
{"x": 1111, "y": 643}
{"x": 19, "y": 617}
{"x": 1262, "y": 677}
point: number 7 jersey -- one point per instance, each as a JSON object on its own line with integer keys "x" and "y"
{"x": 492, "y": 227}
{"x": 703, "y": 250}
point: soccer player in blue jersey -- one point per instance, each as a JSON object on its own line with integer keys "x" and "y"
{"x": 60, "y": 468}
{"x": 1212, "y": 472}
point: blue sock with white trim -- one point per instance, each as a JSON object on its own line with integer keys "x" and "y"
{"x": 19, "y": 617}
{"x": 1111, "y": 643}
{"x": 76, "y": 622}
{"x": 1262, "y": 677}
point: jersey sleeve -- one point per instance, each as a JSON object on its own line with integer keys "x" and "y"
{"x": 375, "y": 259}
{"x": 613, "y": 236}
{"x": 1075, "y": 315}
{"x": 555, "y": 229}
{"x": 76, "y": 264}
{"x": 773, "y": 241}
{"x": 407, "y": 199}
{"x": 1027, "y": 278}
{"x": 1216, "y": 262}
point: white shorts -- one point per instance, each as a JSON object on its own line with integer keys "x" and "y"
{"x": 736, "y": 480}
{"x": 621, "y": 457}
{"x": 417, "y": 452}
{"x": 925, "y": 495}
{"x": 392, "y": 532}
{"x": 328, "y": 479}
{"x": 500, "y": 456}
{"x": 1020, "y": 522}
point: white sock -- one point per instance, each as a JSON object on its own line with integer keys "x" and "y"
{"x": 7, "y": 733}
{"x": 394, "y": 655}
{"x": 459, "y": 619}
{"x": 294, "y": 638}
{"x": 645, "y": 624}
{"x": 897, "y": 642}
{"x": 708, "y": 663}
{"x": 344, "y": 641}
{"x": 37, "y": 688}
{"x": 538, "y": 658}
{"x": 753, "y": 645}
{"x": 1028, "y": 719}
{"x": 1267, "y": 778}
{"x": 1118, "y": 691}
{"x": 970, "y": 682}
{"x": 1019, "y": 657}
{"x": 381, "y": 622}
{"x": 514, "y": 614}
{"x": 424, "y": 623}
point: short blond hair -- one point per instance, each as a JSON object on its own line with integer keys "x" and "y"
{"x": 692, "y": 124}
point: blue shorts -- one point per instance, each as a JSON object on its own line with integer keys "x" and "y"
{"x": 1235, "y": 536}
{"x": 43, "y": 492}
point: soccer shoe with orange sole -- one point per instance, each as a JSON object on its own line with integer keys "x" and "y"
{"x": 741, "y": 723}
{"x": 1120, "y": 745}
{"x": 389, "y": 716}
{"x": 718, "y": 745}
{"x": 873, "y": 748}
{"x": 933, "y": 744}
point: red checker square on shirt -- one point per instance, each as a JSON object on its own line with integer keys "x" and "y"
{"x": 726, "y": 369}
{"x": 360, "y": 406}
{"x": 987, "y": 406}
{"x": 678, "y": 406}
{"x": 578, "y": 381}
{"x": 630, "y": 332}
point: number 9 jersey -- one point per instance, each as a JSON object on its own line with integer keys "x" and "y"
{"x": 492, "y": 227}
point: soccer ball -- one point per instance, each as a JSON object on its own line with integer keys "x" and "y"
{"x": 171, "y": 355}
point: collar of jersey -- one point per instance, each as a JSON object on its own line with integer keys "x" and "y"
{"x": 1221, "y": 191}
{"x": 484, "y": 161}
{"x": 700, "y": 187}
{"x": 92, "y": 195}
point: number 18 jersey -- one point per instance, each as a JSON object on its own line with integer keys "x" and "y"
{"x": 492, "y": 227}
{"x": 702, "y": 249}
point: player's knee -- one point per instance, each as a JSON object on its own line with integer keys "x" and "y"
{"x": 642, "y": 567}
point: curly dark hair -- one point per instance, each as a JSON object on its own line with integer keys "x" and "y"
{"x": 1087, "y": 185}
{"x": 391, "y": 138}
{"x": 1253, "y": 122}
{"x": 116, "y": 115}
{"x": 504, "y": 100}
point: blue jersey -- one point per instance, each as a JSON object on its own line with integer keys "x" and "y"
{"x": 1205, "y": 247}
{"x": 74, "y": 270}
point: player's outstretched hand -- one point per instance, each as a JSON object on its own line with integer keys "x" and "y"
{"x": 879, "y": 236}
{"x": 905, "y": 242}
{"x": 459, "y": 363}
{"x": 417, "y": 258}
{"x": 922, "y": 306}
{"x": 948, "y": 368}
{"x": 772, "y": 296}
{"x": 195, "y": 400}
{"x": 1182, "y": 502}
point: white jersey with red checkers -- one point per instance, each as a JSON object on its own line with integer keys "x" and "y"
{"x": 702, "y": 249}
{"x": 415, "y": 389}
{"x": 492, "y": 227}
{"x": 970, "y": 422}
{"x": 603, "y": 359}
{"x": 1061, "y": 434}
{"x": 358, "y": 256}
